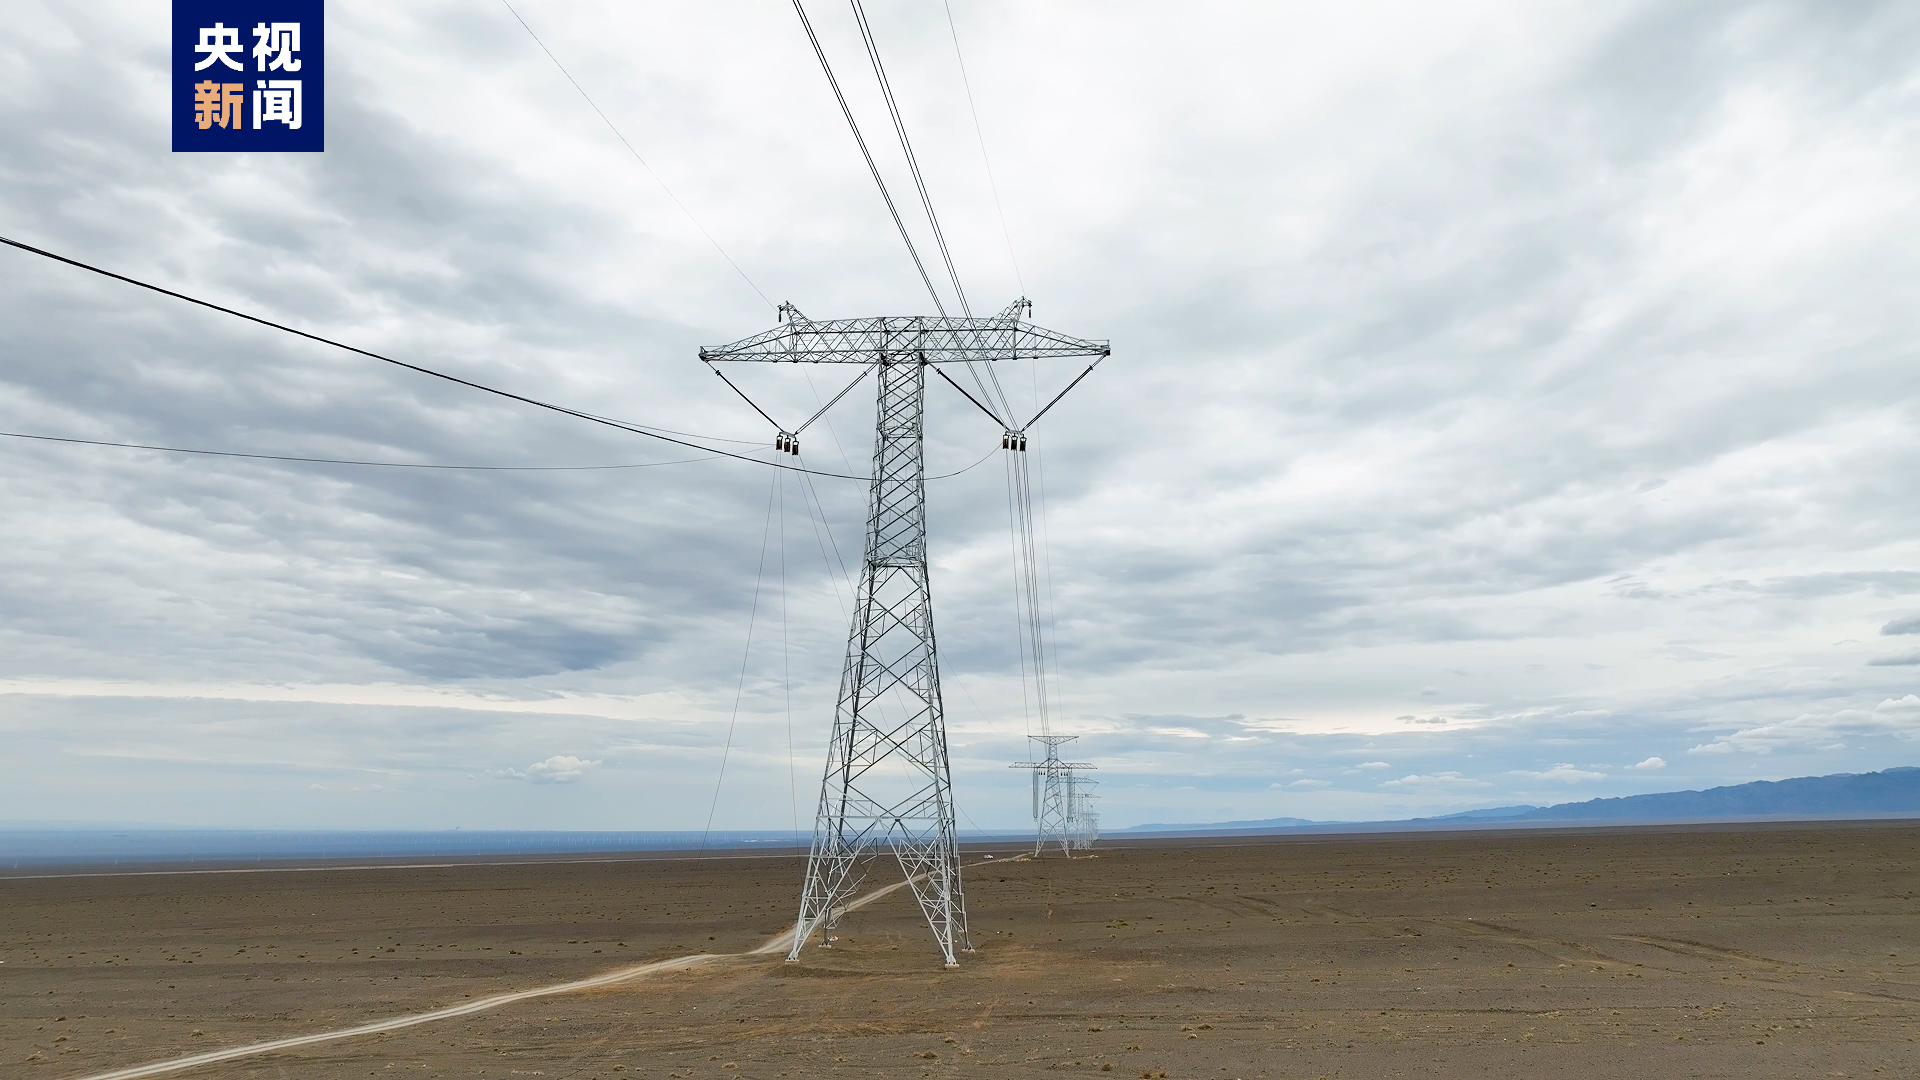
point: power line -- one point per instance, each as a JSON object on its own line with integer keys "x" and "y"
{"x": 740, "y": 691}
{"x": 818, "y": 526}
{"x": 683, "y": 434}
{"x": 1046, "y": 567}
{"x": 920, "y": 185}
{"x": 343, "y": 461}
{"x": 906, "y": 147}
{"x": 620, "y": 425}
{"x": 885, "y": 195}
{"x": 1019, "y": 625}
{"x": 637, "y": 157}
{"x": 786, "y": 664}
{"x": 981, "y": 135}
{"x": 413, "y": 464}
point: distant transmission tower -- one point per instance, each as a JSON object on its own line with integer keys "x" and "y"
{"x": 1055, "y": 809}
{"x": 1083, "y": 823}
{"x": 887, "y": 783}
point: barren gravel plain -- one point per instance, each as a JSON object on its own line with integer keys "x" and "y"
{"x": 1748, "y": 951}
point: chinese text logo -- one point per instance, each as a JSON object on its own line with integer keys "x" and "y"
{"x": 229, "y": 96}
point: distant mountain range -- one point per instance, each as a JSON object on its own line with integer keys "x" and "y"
{"x": 1891, "y": 791}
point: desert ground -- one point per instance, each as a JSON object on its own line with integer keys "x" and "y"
{"x": 1729, "y": 951}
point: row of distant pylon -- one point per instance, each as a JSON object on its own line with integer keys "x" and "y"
{"x": 1063, "y": 814}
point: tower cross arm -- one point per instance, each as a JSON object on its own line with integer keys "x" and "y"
{"x": 1075, "y": 765}
{"x": 936, "y": 340}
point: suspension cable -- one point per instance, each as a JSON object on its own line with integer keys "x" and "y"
{"x": 926, "y": 198}
{"x": 1020, "y": 626}
{"x": 578, "y": 414}
{"x": 740, "y": 691}
{"x": 344, "y": 461}
{"x": 1046, "y": 566}
{"x": 885, "y": 195}
{"x": 992, "y": 183}
{"x": 636, "y": 155}
{"x": 906, "y": 148}
{"x": 786, "y": 665}
{"x": 1027, "y": 579}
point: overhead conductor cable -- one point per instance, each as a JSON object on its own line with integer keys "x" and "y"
{"x": 926, "y": 199}
{"x": 860, "y": 139}
{"x": 619, "y": 425}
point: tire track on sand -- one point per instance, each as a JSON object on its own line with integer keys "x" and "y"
{"x": 779, "y": 943}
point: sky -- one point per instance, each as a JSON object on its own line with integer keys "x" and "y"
{"x": 1509, "y": 403}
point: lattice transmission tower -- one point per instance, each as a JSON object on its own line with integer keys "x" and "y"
{"x": 887, "y": 785}
{"x": 1057, "y": 808}
{"x": 1083, "y": 822}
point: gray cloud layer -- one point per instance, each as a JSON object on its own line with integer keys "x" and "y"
{"x": 1547, "y": 371}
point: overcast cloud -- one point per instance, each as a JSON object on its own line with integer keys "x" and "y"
{"x": 1509, "y": 403}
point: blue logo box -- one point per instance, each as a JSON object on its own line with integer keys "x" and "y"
{"x": 249, "y": 75}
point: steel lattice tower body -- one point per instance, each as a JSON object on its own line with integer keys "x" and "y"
{"x": 887, "y": 785}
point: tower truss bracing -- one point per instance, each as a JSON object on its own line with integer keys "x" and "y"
{"x": 887, "y": 785}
